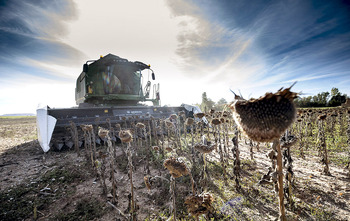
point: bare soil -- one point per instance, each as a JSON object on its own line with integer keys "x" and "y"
{"x": 63, "y": 186}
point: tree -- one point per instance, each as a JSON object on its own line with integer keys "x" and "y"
{"x": 337, "y": 98}
{"x": 320, "y": 100}
{"x": 220, "y": 104}
{"x": 207, "y": 103}
{"x": 335, "y": 92}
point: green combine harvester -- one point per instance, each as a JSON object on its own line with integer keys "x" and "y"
{"x": 108, "y": 91}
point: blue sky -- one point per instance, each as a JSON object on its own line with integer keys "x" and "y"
{"x": 194, "y": 46}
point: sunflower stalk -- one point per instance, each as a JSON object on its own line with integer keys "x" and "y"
{"x": 172, "y": 190}
{"x": 111, "y": 151}
{"x": 130, "y": 165}
{"x": 348, "y": 140}
{"x": 86, "y": 142}
{"x": 323, "y": 148}
{"x": 251, "y": 145}
{"x": 103, "y": 175}
{"x": 237, "y": 161}
{"x": 279, "y": 171}
{"x": 301, "y": 139}
{"x": 161, "y": 137}
{"x": 74, "y": 133}
{"x": 218, "y": 143}
{"x": 192, "y": 145}
{"x": 286, "y": 142}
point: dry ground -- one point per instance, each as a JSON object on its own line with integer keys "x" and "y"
{"x": 62, "y": 186}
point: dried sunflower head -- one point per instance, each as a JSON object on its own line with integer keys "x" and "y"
{"x": 83, "y": 127}
{"x": 266, "y": 118}
{"x": 199, "y": 115}
{"x": 322, "y": 117}
{"x": 204, "y": 148}
{"x": 189, "y": 121}
{"x": 125, "y": 136}
{"x": 169, "y": 124}
{"x": 103, "y": 133}
{"x": 173, "y": 116}
{"x": 334, "y": 114}
{"x": 147, "y": 183}
{"x": 140, "y": 125}
{"x": 199, "y": 204}
{"x": 181, "y": 113}
{"x": 86, "y": 127}
{"x": 216, "y": 121}
{"x": 176, "y": 168}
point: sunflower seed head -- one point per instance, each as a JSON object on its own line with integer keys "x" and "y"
{"x": 199, "y": 115}
{"x": 322, "y": 117}
{"x": 173, "y": 116}
{"x": 216, "y": 121}
{"x": 102, "y": 133}
{"x": 266, "y": 118}
{"x": 125, "y": 136}
{"x": 175, "y": 167}
{"x": 147, "y": 183}
{"x": 140, "y": 125}
{"x": 88, "y": 127}
{"x": 199, "y": 204}
{"x": 204, "y": 148}
{"x": 189, "y": 121}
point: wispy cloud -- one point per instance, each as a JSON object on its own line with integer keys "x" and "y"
{"x": 32, "y": 30}
{"x": 265, "y": 43}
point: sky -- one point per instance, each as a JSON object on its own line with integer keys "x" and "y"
{"x": 193, "y": 46}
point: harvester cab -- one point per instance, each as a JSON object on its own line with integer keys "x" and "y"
{"x": 108, "y": 92}
{"x": 112, "y": 80}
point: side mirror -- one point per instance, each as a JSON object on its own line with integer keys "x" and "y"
{"x": 85, "y": 68}
{"x": 153, "y": 76}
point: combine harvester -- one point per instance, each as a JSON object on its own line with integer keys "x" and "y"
{"x": 108, "y": 91}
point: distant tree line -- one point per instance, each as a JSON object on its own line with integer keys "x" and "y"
{"x": 323, "y": 99}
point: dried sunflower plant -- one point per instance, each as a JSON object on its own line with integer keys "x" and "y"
{"x": 322, "y": 144}
{"x": 264, "y": 120}
{"x": 74, "y": 133}
{"x": 204, "y": 147}
{"x": 300, "y": 124}
{"x": 88, "y": 131}
{"x": 126, "y": 137}
{"x": 236, "y": 159}
{"x": 177, "y": 168}
{"x": 216, "y": 126}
